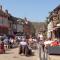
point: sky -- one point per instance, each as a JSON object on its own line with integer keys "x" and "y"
{"x": 33, "y": 10}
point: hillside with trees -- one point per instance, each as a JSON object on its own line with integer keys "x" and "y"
{"x": 40, "y": 27}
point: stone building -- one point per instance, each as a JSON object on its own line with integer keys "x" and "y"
{"x": 12, "y": 25}
{"x": 27, "y": 27}
{"x": 8, "y": 23}
{"x": 54, "y": 17}
{"x": 15, "y": 25}
{"x": 3, "y": 21}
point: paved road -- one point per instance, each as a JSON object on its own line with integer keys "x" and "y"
{"x": 45, "y": 56}
{"x": 12, "y": 54}
{"x": 54, "y": 57}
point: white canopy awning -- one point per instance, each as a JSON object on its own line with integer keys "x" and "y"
{"x": 58, "y": 25}
{"x": 50, "y": 26}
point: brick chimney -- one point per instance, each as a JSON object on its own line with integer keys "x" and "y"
{"x": 0, "y": 7}
{"x": 6, "y": 11}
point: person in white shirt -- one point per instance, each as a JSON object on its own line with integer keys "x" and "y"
{"x": 41, "y": 40}
{"x": 40, "y": 35}
{"x": 48, "y": 42}
{"x": 23, "y": 42}
{"x": 22, "y": 46}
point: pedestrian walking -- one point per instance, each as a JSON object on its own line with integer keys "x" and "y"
{"x": 2, "y": 49}
{"x": 6, "y": 43}
{"x": 41, "y": 40}
{"x": 22, "y": 46}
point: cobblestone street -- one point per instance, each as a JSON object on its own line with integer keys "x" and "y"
{"x": 13, "y": 55}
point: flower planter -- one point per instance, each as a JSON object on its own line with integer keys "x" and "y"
{"x": 53, "y": 49}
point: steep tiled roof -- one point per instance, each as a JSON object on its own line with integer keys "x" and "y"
{"x": 57, "y": 8}
{"x": 2, "y": 13}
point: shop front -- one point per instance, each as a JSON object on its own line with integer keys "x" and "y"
{"x": 54, "y": 47}
{"x": 3, "y": 30}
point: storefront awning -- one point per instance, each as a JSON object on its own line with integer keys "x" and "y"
{"x": 58, "y": 25}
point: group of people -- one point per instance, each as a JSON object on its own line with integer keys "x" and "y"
{"x": 6, "y": 42}
{"x": 25, "y": 43}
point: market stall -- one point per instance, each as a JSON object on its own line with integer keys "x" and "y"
{"x": 53, "y": 46}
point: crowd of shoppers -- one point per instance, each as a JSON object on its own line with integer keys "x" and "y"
{"x": 25, "y": 43}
